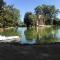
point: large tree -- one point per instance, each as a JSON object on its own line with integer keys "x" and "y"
{"x": 48, "y": 11}
{"x": 30, "y": 19}
{"x": 9, "y": 16}
{"x": 1, "y": 4}
{"x": 27, "y": 20}
{"x": 1, "y": 11}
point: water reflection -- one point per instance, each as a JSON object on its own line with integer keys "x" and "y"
{"x": 30, "y": 35}
{"x": 35, "y": 35}
{"x": 26, "y": 36}
{"x": 39, "y": 35}
{"x": 45, "y": 35}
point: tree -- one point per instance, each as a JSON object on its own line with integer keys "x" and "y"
{"x": 2, "y": 3}
{"x": 30, "y": 19}
{"x": 9, "y": 16}
{"x": 49, "y": 12}
{"x": 27, "y": 20}
{"x": 33, "y": 19}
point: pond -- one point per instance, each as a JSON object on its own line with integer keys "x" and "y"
{"x": 38, "y": 35}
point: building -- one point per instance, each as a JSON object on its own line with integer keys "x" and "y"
{"x": 40, "y": 20}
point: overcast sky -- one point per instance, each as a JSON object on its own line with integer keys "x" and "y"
{"x": 29, "y": 5}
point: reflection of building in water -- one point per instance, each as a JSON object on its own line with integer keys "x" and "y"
{"x": 40, "y": 32}
{"x": 43, "y": 31}
{"x": 44, "y": 35}
{"x": 40, "y": 20}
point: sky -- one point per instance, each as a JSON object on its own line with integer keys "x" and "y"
{"x": 29, "y": 5}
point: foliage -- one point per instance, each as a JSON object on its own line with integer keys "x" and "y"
{"x": 30, "y": 19}
{"x": 33, "y": 19}
{"x": 10, "y": 32}
{"x": 9, "y": 16}
{"x": 27, "y": 20}
{"x": 2, "y": 3}
{"x": 48, "y": 11}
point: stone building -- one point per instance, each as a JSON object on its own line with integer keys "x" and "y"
{"x": 40, "y": 20}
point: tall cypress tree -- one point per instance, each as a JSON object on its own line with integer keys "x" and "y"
{"x": 1, "y": 4}
{"x": 1, "y": 10}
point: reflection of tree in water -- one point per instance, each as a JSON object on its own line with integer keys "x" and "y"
{"x": 45, "y": 35}
{"x": 30, "y": 34}
{"x": 42, "y": 35}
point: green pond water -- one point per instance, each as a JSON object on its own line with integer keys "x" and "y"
{"x": 38, "y": 35}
